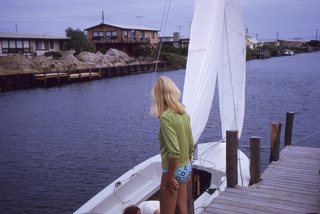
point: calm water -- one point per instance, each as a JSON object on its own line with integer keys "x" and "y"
{"x": 60, "y": 146}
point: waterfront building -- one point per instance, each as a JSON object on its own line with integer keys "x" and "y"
{"x": 282, "y": 43}
{"x": 122, "y": 37}
{"x": 251, "y": 42}
{"x": 291, "y": 43}
{"x": 30, "y": 44}
{"x": 175, "y": 40}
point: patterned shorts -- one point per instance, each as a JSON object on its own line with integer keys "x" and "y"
{"x": 182, "y": 173}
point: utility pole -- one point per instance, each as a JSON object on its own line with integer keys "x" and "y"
{"x": 317, "y": 34}
{"x": 102, "y": 17}
{"x": 257, "y": 36}
{"x": 180, "y": 26}
{"x": 16, "y": 28}
{"x": 189, "y": 27}
{"x": 277, "y": 35}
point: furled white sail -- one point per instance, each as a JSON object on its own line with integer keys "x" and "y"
{"x": 209, "y": 57}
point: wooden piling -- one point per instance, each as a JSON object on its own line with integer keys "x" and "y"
{"x": 255, "y": 172}
{"x": 68, "y": 74}
{"x": 289, "y": 186}
{"x": 45, "y": 77}
{"x": 288, "y": 129}
{"x": 58, "y": 74}
{"x": 275, "y": 142}
{"x": 99, "y": 73}
{"x": 232, "y": 158}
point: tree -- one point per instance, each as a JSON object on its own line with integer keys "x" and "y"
{"x": 78, "y": 41}
{"x": 314, "y": 43}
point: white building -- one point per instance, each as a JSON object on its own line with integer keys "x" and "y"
{"x": 251, "y": 42}
{"x": 30, "y": 44}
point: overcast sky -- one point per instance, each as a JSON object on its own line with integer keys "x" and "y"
{"x": 291, "y": 18}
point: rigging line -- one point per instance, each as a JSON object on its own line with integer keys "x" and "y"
{"x": 299, "y": 140}
{"x": 151, "y": 80}
{"x": 163, "y": 15}
{"x": 164, "y": 30}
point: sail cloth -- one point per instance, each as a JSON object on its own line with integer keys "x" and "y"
{"x": 232, "y": 76}
{"x": 209, "y": 57}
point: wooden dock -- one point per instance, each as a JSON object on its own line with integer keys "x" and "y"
{"x": 289, "y": 185}
{"x": 52, "y": 78}
{"x": 95, "y": 73}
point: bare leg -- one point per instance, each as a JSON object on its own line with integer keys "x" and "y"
{"x": 168, "y": 199}
{"x": 182, "y": 202}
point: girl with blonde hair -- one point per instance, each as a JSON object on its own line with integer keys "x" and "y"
{"x": 176, "y": 146}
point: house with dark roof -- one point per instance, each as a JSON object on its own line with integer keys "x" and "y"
{"x": 122, "y": 37}
{"x": 30, "y": 44}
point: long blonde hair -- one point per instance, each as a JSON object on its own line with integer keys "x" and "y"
{"x": 165, "y": 96}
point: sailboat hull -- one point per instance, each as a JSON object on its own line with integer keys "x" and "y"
{"x": 143, "y": 181}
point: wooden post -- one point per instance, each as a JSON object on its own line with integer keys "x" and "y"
{"x": 275, "y": 142}
{"x": 288, "y": 129}
{"x": 255, "y": 172}
{"x": 232, "y": 158}
{"x": 90, "y": 73}
{"x": 99, "y": 73}
{"x": 58, "y": 76}
{"x": 45, "y": 77}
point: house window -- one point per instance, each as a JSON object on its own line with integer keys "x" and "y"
{"x": 5, "y": 46}
{"x": 12, "y": 44}
{"x": 51, "y": 44}
{"x": 42, "y": 45}
{"x": 125, "y": 35}
{"x": 112, "y": 35}
{"x": 19, "y": 44}
{"x": 15, "y": 46}
{"x": 132, "y": 34}
{"x": 26, "y": 44}
{"x": 97, "y": 34}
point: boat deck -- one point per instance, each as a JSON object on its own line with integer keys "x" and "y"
{"x": 290, "y": 185}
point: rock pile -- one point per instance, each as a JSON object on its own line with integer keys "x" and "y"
{"x": 19, "y": 64}
{"x": 16, "y": 64}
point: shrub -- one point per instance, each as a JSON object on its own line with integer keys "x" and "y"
{"x": 53, "y": 54}
{"x": 174, "y": 60}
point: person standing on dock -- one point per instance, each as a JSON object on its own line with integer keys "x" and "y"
{"x": 176, "y": 146}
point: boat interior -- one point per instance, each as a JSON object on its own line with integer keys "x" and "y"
{"x": 201, "y": 182}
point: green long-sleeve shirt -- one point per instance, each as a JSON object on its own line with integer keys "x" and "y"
{"x": 176, "y": 140}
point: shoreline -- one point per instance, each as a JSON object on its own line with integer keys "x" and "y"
{"x": 30, "y": 80}
{"x": 43, "y": 77}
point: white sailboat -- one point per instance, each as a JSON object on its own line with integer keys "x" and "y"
{"x": 216, "y": 51}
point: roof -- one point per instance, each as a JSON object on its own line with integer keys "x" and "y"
{"x": 29, "y": 36}
{"x": 127, "y": 27}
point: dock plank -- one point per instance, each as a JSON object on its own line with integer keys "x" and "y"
{"x": 290, "y": 185}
